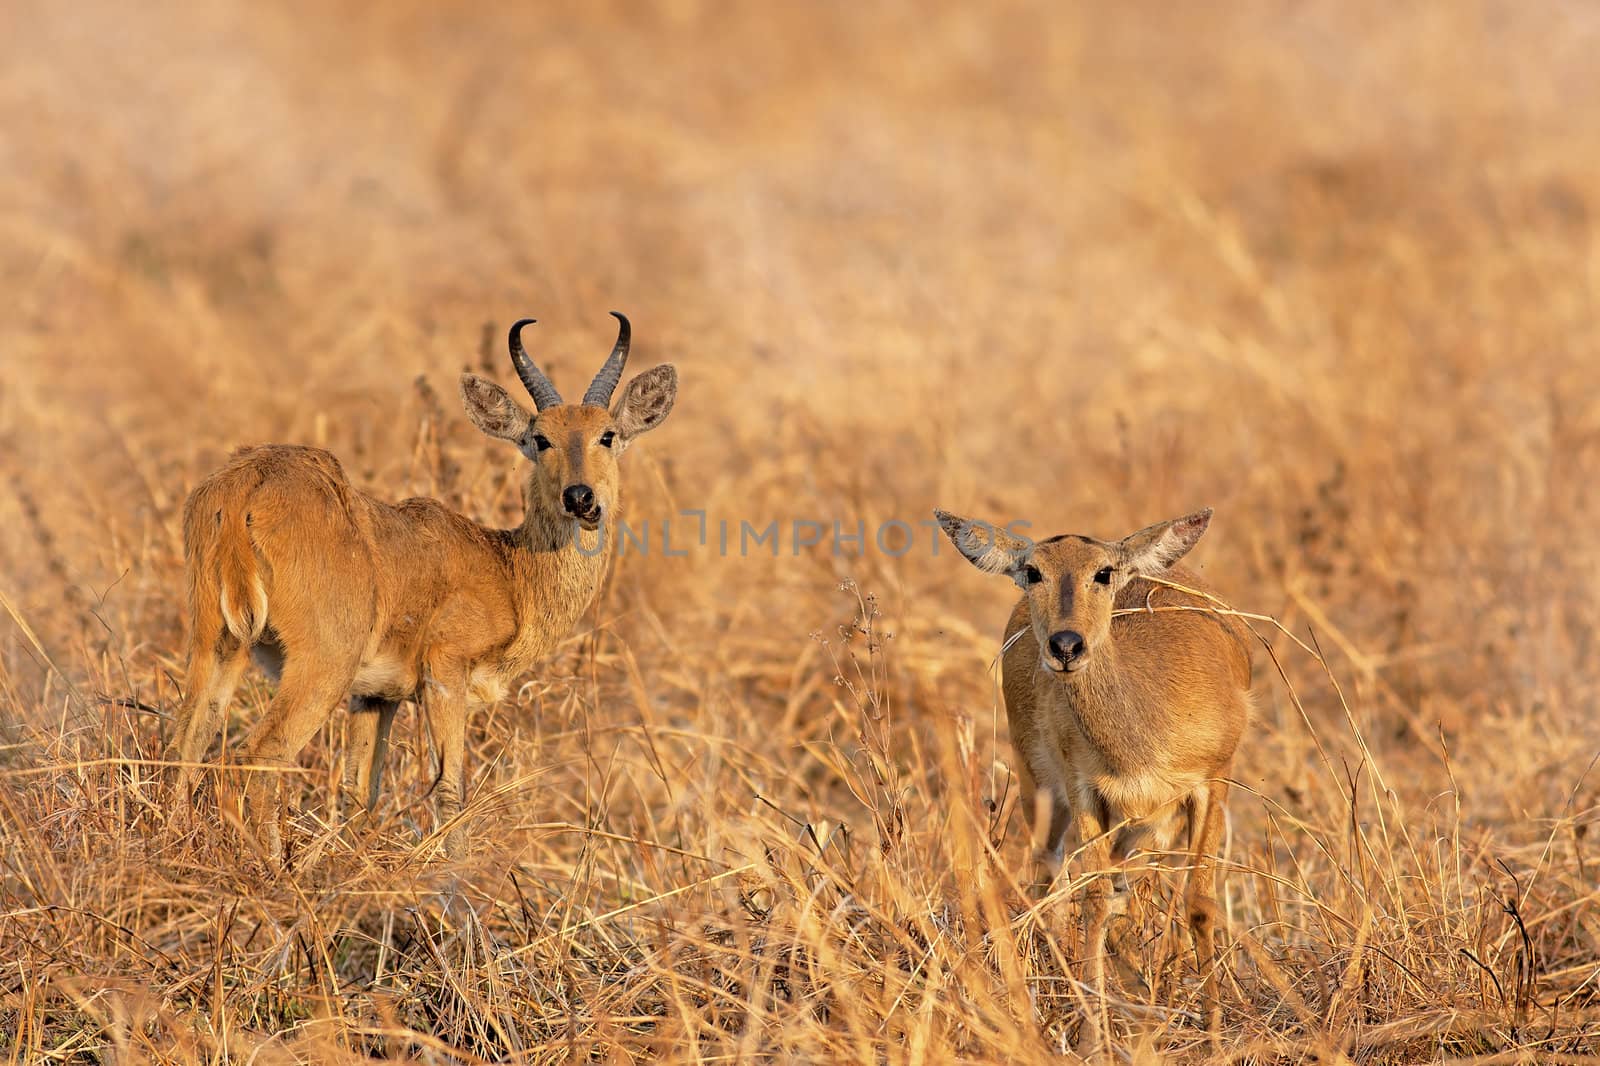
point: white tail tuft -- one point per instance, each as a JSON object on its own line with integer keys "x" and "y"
{"x": 246, "y": 625}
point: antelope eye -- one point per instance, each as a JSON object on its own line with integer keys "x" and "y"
{"x": 1103, "y": 576}
{"x": 540, "y": 441}
{"x": 607, "y": 437}
{"x": 1031, "y": 575}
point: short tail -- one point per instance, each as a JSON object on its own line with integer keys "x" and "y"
{"x": 224, "y": 574}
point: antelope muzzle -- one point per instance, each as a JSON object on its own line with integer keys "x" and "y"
{"x": 579, "y": 501}
{"x": 1067, "y": 651}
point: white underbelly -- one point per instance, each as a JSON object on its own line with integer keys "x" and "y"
{"x": 1138, "y": 796}
{"x": 384, "y": 676}
{"x": 1149, "y": 806}
{"x": 486, "y": 684}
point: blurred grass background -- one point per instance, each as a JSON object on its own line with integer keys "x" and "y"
{"x": 1328, "y": 268}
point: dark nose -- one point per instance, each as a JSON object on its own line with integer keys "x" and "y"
{"x": 578, "y": 500}
{"x": 1066, "y": 646}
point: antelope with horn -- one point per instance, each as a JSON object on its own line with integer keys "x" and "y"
{"x": 337, "y": 594}
{"x": 1127, "y": 693}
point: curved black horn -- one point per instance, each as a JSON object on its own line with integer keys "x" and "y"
{"x": 605, "y": 382}
{"x": 544, "y": 394}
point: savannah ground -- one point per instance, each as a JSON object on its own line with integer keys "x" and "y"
{"x": 1329, "y": 268}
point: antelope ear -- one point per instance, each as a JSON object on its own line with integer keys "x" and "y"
{"x": 492, "y": 409}
{"x": 988, "y": 547}
{"x": 646, "y": 402}
{"x": 1153, "y": 549}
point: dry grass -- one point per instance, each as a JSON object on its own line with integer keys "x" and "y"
{"x": 1330, "y": 268}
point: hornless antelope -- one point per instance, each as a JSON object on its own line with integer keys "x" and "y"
{"x": 337, "y": 593}
{"x": 1124, "y": 712}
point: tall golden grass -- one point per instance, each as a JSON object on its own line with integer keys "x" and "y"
{"x": 1329, "y": 268}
